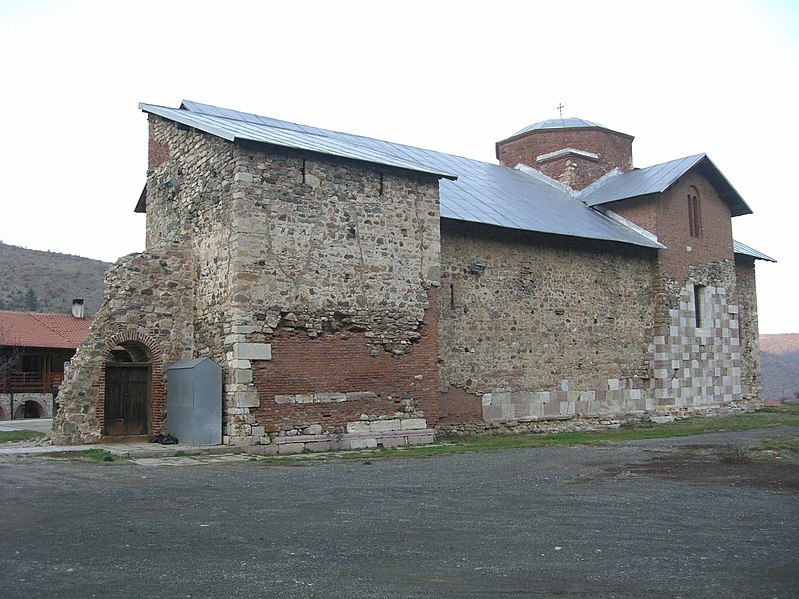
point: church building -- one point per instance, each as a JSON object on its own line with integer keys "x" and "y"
{"x": 360, "y": 293}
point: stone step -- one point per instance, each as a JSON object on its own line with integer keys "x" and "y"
{"x": 341, "y": 442}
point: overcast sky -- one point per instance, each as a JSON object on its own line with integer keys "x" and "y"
{"x": 683, "y": 77}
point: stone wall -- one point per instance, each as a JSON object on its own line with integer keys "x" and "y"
{"x": 553, "y": 327}
{"x": 749, "y": 333}
{"x": 699, "y": 365}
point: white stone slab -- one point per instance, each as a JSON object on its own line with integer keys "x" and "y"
{"x": 252, "y": 351}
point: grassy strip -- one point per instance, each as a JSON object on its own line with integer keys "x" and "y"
{"x": 765, "y": 418}
{"x": 11, "y": 436}
{"x": 99, "y": 455}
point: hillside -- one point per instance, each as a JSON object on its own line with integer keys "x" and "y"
{"x": 779, "y": 357}
{"x": 36, "y": 281}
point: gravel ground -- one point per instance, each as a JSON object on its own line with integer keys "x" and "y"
{"x": 647, "y": 519}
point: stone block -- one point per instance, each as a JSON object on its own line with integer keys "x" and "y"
{"x": 303, "y": 398}
{"x": 252, "y": 351}
{"x": 379, "y": 426}
{"x": 359, "y": 444}
{"x": 290, "y": 448}
{"x": 499, "y": 398}
{"x": 413, "y": 424}
{"x": 284, "y": 399}
{"x": 246, "y": 399}
{"x": 492, "y": 413}
{"x": 423, "y": 439}
{"x": 358, "y": 427}
{"x": 270, "y": 449}
{"x": 360, "y": 395}
{"x": 242, "y": 376}
{"x": 393, "y": 441}
{"x": 329, "y": 397}
{"x": 317, "y": 446}
{"x": 244, "y": 329}
{"x": 244, "y": 441}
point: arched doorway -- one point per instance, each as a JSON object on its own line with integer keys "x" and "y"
{"x": 127, "y": 409}
{"x": 29, "y": 409}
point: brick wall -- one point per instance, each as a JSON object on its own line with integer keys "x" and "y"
{"x": 673, "y": 231}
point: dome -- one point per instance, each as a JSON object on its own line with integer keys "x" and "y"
{"x": 570, "y": 123}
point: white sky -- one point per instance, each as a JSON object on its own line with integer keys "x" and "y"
{"x": 682, "y": 76}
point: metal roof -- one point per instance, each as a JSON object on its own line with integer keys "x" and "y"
{"x": 740, "y": 248}
{"x": 568, "y": 123}
{"x": 483, "y": 193}
{"x": 237, "y": 126}
{"x": 659, "y": 178}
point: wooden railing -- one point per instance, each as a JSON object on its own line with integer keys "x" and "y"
{"x": 30, "y": 382}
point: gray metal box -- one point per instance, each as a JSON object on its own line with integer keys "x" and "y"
{"x": 194, "y": 401}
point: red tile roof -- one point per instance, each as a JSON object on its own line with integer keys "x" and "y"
{"x": 31, "y": 329}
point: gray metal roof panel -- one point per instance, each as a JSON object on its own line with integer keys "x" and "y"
{"x": 658, "y": 179}
{"x": 740, "y": 248}
{"x": 483, "y": 193}
{"x": 653, "y": 179}
{"x": 229, "y": 126}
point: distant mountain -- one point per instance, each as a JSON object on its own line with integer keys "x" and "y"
{"x": 35, "y": 281}
{"x": 779, "y": 358}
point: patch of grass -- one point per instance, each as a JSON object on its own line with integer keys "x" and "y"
{"x": 782, "y": 447}
{"x": 734, "y": 454}
{"x": 100, "y": 455}
{"x": 10, "y": 436}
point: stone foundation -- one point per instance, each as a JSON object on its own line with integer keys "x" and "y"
{"x": 386, "y": 433}
{"x": 597, "y": 422}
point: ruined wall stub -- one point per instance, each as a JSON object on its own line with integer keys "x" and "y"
{"x": 148, "y": 310}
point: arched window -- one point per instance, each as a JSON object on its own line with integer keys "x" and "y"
{"x": 694, "y": 212}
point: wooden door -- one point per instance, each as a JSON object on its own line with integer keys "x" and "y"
{"x": 127, "y": 399}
